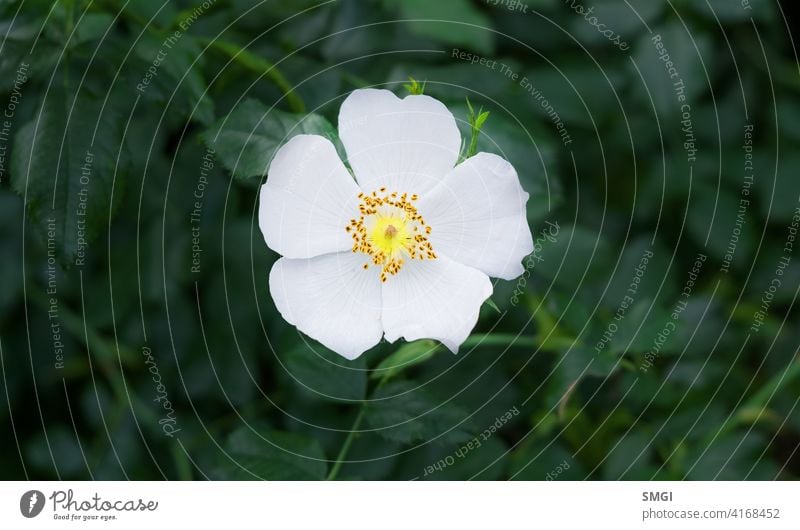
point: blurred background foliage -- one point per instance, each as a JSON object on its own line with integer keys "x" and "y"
{"x": 252, "y": 398}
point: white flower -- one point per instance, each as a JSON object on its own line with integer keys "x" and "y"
{"x": 404, "y": 250}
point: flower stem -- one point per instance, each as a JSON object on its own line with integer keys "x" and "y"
{"x": 347, "y": 443}
{"x": 478, "y": 339}
{"x": 351, "y": 435}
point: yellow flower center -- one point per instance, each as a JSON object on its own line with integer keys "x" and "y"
{"x": 389, "y": 231}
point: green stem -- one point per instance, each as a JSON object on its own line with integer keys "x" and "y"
{"x": 260, "y": 66}
{"x": 347, "y": 443}
{"x": 478, "y": 339}
{"x": 352, "y": 434}
{"x": 473, "y": 143}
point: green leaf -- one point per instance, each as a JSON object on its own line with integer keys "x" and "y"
{"x": 405, "y": 357}
{"x": 712, "y": 218}
{"x": 319, "y": 371}
{"x": 625, "y": 19}
{"x": 735, "y": 456}
{"x": 545, "y": 462}
{"x": 455, "y": 22}
{"x": 144, "y": 10}
{"x": 272, "y": 455}
{"x": 10, "y": 248}
{"x": 640, "y": 327}
{"x": 756, "y": 405}
{"x": 92, "y": 27}
{"x": 19, "y": 30}
{"x": 680, "y": 46}
{"x": 475, "y": 459}
{"x": 38, "y": 452}
{"x": 246, "y": 140}
{"x": 653, "y": 283}
{"x": 699, "y": 326}
{"x": 65, "y": 171}
{"x": 260, "y": 66}
{"x": 731, "y": 11}
{"x": 789, "y": 110}
{"x": 778, "y": 187}
{"x": 19, "y": 64}
{"x": 577, "y": 255}
{"x": 551, "y": 94}
{"x": 577, "y": 363}
{"x": 405, "y": 413}
{"x": 629, "y": 458}
{"x": 178, "y": 77}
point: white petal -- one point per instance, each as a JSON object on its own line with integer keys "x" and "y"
{"x": 308, "y": 199}
{"x": 330, "y": 298}
{"x": 407, "y": 145}
{"x": 437, "y": 299}
{"x": 477, "y": 216}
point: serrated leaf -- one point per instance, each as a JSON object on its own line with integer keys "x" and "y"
{"x": 272, "y": 455}
{"x": 65, "y": 171}
{"x": 246, "y": 140}
{"x": 403, "y": 413}
{"x": 19, "y": 64}
{"x": 178, "y": 78}
{"x": 320, "y": 372}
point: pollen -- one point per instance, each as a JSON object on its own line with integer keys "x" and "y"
{"x": 389, "y": 231}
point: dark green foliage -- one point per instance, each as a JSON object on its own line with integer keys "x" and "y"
{"x": 144, "y": 319}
